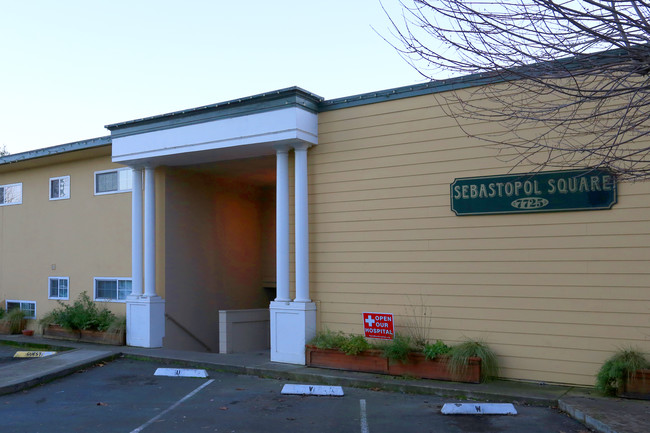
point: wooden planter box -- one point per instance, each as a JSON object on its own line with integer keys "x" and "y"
{"x": 371, "y": 361}
{"x": 638, "y": 386}
{"x": 102, "y": 337}
{"x": 418, "y": 365}
{"x": 59, "y": 333}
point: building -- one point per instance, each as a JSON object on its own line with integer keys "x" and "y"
{"x": 319, "y": 210}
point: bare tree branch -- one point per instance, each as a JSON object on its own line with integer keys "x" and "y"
{"x": 577, "y": 70}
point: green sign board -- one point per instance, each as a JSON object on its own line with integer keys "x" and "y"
{"x": 547, "y": 191}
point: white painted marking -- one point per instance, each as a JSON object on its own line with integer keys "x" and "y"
{"x": 181, "y": 372}
{"x": 312, "y": 390}
{"x": 478, "y": 409}
{"x": 364, "y": 417}
{"x": 32, "y": 354}
{"x": 172, "y": 407}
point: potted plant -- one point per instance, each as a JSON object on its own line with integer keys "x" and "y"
{"x": 626, "y": 374}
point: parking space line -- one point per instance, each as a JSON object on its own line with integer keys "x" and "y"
{"x": 172, "y": 407}
{"x": 364, "y": 418}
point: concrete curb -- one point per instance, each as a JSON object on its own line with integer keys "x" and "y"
{"x": 17, "y": 378}
{"x": 584, "y": 418}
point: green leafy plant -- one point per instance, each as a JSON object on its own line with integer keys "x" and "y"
{"x": 348, "y": 344}
{"x": 459, "y": 357}
{"x": 619, "y": 368}
{"x": 328, "y": 340}
{"x": 432, "y": 350}
{"x": 82, "y": 314}
{"x": 398, "y": 348}
{"x": 355, "y": 344}
{"x": 2, "y": 313}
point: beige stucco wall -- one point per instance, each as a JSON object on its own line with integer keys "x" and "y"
{"x": 83, "y": 237}
{"x": 554, "y": 294}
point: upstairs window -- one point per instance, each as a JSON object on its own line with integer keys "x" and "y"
{"x": 11, "y": 194}
{"x": 113, "y": 181}
{"x": 58, "y": 287}
{"x": 60, "y": 188}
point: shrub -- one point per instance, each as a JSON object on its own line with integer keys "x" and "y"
{"x": 348, "y": 344}
{"x": 82, "y": 314}
{"x": 328, "y": 340}
{"x": 398, "y": 348}
{"x": 619, "y": 368}
{"x": 14, "y": 317}
{"x": 431, "y": 351}
{"x": 354, "y": 344}
{"x": 459, "y": 358}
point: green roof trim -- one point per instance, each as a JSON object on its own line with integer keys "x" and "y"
{"x": 54, "y": 150}
{"x": 428, "y": 88}
{"x": 269, "y": 101}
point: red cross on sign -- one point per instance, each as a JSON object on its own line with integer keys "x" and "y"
{"x": 378, "y": 325}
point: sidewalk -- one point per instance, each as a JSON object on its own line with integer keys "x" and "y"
{"x": 606, "y": 415}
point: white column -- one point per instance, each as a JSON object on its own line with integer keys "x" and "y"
{"x": 136, "y": 233}
{"x": 282, "y": 224}
{"x": 149, "y": 233}
{"x": 145, "y": 315}
{"x": 302, "y": 224}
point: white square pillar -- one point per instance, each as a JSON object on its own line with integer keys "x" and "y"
{"x": 293, "y": 324}
{"x": 145, "y": 324}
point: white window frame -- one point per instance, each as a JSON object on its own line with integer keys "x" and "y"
{"x": 120, "y": 188}
{"x": 19, "y": 200}
{"x": 66, "y": 187}
{"x": 117, "y": 283}
{"x": 21, "y": 303}
{"x": 59, "y": 279}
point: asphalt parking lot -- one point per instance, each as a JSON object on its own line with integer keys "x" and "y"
{"x": 125, "y": 396}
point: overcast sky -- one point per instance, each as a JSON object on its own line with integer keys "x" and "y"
{"x": 69, "y": 67}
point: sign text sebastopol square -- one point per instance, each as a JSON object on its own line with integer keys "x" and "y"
{"x": 547, "y": 191}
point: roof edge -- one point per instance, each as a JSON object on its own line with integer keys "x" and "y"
{"x": 54, "y": 150}
{"x": 311, "y": 102}
{"x": 410, "y": 91}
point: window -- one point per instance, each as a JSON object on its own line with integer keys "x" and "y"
{"x": 112, "y": 181}
{"x": 60, "y": 188}
{"x": 58, "y": 287}
{"x": 112, "y": 289}
{"x": 29, "y": 307}
{"x": 11, "y": 194}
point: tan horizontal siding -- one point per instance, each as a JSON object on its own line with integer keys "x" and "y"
{"x": 553, "y": 293}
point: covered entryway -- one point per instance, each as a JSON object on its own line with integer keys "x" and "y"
{"x": 219, "y": 249}
{"x": 210, "y": 186}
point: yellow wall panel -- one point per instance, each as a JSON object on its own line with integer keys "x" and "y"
{"x": 82, "y": 237}
{"x": 554, "y": 293}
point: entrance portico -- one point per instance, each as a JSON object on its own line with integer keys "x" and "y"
{"x": 278, "y": 123}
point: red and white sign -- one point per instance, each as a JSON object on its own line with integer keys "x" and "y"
{"x": 378, "y": 325}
